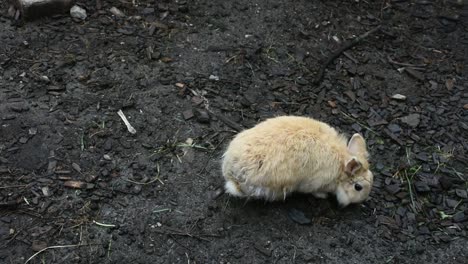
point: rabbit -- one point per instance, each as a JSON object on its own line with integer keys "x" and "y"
{"x": 287, "y": 154}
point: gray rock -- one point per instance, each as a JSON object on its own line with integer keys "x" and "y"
{"x": 461, "y": 193}
{"x": 78, "y": 12}
{"x": 412, "y": 120}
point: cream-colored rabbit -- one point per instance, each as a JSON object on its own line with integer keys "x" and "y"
{"x": 297, "y": 154}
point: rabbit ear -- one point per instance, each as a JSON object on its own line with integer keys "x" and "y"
{"x": 357, "y": 145}
{"x": 352, "y": 166}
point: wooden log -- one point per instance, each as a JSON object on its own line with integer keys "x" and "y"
{"x": 33, "y": 9}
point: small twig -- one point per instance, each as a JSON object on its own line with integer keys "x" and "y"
{"x": 337, "y": 53}
{"x": 405, "y": 64}
{"x": 130, "y": 128}
{"x": 51, "y": 247}
{"x": 102, "y": 224}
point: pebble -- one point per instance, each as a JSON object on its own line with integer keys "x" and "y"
{"x": 202, "y": 116}
{"x": 399, "y": 97}
{"x": 451, "y": 203}
{"x": 116, "y": 12}
{"x": 394, "y": 128}
{"x": 188, "y": 114}
{"x": 76, "y": 167}
{"x": 298, "y": 216}
{"x": 461, "y": 193}
{"x": 78, "y": 12}
{"x": 460, "y": 217}
{"x": 412, "y": 120}
{"x": 214, "y": 77}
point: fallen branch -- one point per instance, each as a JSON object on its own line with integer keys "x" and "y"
{"x": 337, "y": 53}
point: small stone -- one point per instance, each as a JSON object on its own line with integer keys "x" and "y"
{"x": 412, "y": 120}
{"x": 107, "y": 145}
{"x": 78, "y": 13}
{"x": 460, "y": 217}
{"x": 399, "y": 97}
{"x": 180, "y": 85}
{"x": 434, "y": 85}
{"x": 214, "y": 78}
{"x": 451, "y": 203}
{"x": 116, "y": 12}
{"x": 394, "y": 128}
{"x": 76, "y": 167}
{"x": 298, "y": 216}
{"x": 202, "y": 116}
{"x": 401, "y": 211}
{"x": 33, "y": 131}
{"x": 107, "y": 157}
{"x": 45, "y": 79}
{"x": 421, "y": 186}
{"x": 188, "y": 114}
{"x": 147, "y": 11}
{"x": 45, "y": 191}
{"x": 23, "y": 140}
{"x": 461, "y": 193}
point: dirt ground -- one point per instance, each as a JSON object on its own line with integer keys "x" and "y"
{"x": 75, "y": 182}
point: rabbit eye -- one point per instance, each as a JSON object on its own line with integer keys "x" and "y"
{"x": 357, "y": 187}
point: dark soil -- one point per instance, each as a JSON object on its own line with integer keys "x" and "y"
{"x": 73, "y": 176}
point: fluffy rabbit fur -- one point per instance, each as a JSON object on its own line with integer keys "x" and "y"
{"x": 297, "y": 154}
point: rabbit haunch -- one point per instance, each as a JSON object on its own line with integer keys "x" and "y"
{"x": 297, "y": 154}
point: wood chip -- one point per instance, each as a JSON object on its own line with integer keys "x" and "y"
{"x": 332, "y": 104}
{"x": 415, "y": 74}
{"x": 449, "y": 84}
{"x": 75, "y": 184}
{"x": 76, "y": 167}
